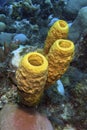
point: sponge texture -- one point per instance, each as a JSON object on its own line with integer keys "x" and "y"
{"x": 31, "y": 77}
{"x": 59, "y": 58}
{"x": 59, "y": 30}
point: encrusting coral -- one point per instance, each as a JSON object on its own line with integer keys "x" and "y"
{"x": 59, "y": 30}
{"x": 37, "y": 72}
{"x": 31, "y": 77}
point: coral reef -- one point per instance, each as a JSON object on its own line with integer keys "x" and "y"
{"x": 65, "y": 106}
{"x": 19, "y": 8}
{"x": 81, "y": 53}
{"x": 79, "y": 93}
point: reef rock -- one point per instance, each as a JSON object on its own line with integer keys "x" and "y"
{"x": 5, "y": 38}
{"x": 79, "y": 25}
{"x": 13, "y": 117}
{"x": 21, "y": 38}
{"x": 72, "y": 8}
{"x": 81, "y": 53}
{"x": 2, "y": 26}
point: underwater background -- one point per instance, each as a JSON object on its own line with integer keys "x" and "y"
{"x": 29, "y": 26}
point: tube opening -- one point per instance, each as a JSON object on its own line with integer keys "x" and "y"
{"x": 64, "y": 44}
{"x": 62, "y": 23}
{"x": 35, "y": 60}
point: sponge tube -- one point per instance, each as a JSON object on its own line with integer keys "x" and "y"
{"x": 31, "y": 77}
{"x": 59, "y": 58}
{"x": 59, "y": 30}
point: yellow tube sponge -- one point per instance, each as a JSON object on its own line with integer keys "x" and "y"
{"x": 59, "y": 58}
{"x": 31, "y": 78}
{"x": 59, "y": 30}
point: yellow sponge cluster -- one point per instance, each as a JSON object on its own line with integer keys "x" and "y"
{"x": 38, "y": 71}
